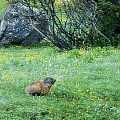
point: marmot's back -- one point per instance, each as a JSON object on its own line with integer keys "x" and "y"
{"x": 34, "y": 88}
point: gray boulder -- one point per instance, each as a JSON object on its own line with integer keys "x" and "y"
{"x": 20, "y": 25}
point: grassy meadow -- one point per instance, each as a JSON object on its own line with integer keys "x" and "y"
{"x": 87, "y": 87}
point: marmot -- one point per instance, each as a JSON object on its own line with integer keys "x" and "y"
{"x": 40, "y": 87}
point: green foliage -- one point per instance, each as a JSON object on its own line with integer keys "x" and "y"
{"x": 87, "y": 86}
{"x": 77, "y": 28}
{"x": 109, "y": 20}
{"x": 3, "y": 4}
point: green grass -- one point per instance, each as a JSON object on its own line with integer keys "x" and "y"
{"x": 87, "y": 87}
{"x": 3, "y": 4}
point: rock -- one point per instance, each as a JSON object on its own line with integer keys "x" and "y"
{"x": 16, "y": 28}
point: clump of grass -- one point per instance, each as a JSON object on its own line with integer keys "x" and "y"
{"x": 87, "y": 84}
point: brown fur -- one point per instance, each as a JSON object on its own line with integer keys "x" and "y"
{"x": 40, "y": 87}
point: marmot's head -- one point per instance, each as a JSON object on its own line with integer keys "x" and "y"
{"x": 49, "y": 80}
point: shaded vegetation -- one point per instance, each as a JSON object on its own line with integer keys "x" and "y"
{"x": 109, "y": 20}
{"x": 78, "y": 23}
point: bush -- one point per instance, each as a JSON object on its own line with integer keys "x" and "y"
{"x": 109, "y": 20}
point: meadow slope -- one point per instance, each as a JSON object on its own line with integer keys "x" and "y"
{"x": 87, "y": 87}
